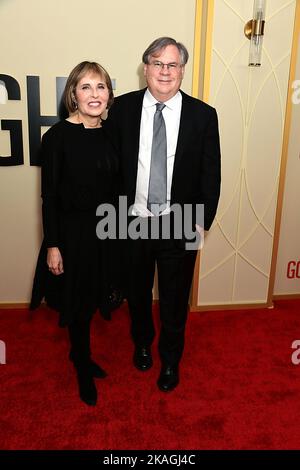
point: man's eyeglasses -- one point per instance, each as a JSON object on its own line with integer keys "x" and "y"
{"x": 157, "y": 65}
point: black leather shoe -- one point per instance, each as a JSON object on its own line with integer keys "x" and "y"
{"x": 142, "y": 358}
{"x": 96, "y": 370}
{"x": 168, "y": 378}
{"x": 87, "y": 387}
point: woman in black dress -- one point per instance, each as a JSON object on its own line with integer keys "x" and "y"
{"x": 79, "y": 172}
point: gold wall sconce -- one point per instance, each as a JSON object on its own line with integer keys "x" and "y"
{"x": 254, "y": 31}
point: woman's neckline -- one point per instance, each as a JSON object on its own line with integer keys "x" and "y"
{"x": 80, "y": 124}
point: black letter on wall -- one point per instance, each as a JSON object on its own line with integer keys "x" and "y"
{"x": 14, "y": 126}
{"x": 35, "y": 120}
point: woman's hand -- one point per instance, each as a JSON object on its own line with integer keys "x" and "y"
{"x": 55, "y": 261}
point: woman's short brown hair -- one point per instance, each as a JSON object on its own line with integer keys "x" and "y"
{"x": 76, "y": 75}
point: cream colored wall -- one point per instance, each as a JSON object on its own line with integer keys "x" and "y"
{"x": 47, "y": 38}
{"x": 289, "y": 245}
{"x": 236, "y": 259}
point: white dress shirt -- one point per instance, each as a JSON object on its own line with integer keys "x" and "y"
{"x": 171, "y": 114}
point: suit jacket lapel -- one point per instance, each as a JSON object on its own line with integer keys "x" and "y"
{"x": 134, "y": 132}
{"x": 182, "y": 133}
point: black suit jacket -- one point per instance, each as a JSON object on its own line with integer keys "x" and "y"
{"x": 196, "y": 174}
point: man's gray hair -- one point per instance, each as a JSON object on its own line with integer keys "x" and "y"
{"x": 161, "y": 43}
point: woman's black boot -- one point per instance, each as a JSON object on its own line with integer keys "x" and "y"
{"x": 86, "y": 384}
{"x": 79, "y": 333}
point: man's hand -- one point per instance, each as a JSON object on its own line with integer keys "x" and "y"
{"x": 201, "y": 232}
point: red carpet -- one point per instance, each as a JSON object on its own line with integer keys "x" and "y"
{"x": 238, "y": 390}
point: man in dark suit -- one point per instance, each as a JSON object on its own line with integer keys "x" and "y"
{"x": 169, "y": 151}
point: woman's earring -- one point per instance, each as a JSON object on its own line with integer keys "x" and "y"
{"x": 74, "y": 102}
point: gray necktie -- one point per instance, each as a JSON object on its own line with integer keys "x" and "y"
{"x": 157, "y": 193}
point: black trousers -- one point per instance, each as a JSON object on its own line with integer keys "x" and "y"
{"x": 79, "y": 334}
{"x": 175, "y": 267}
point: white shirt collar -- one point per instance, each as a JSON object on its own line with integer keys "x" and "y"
{"x": 172, "y": 103}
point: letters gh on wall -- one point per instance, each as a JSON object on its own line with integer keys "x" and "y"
{"x": 35, "y": 120}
